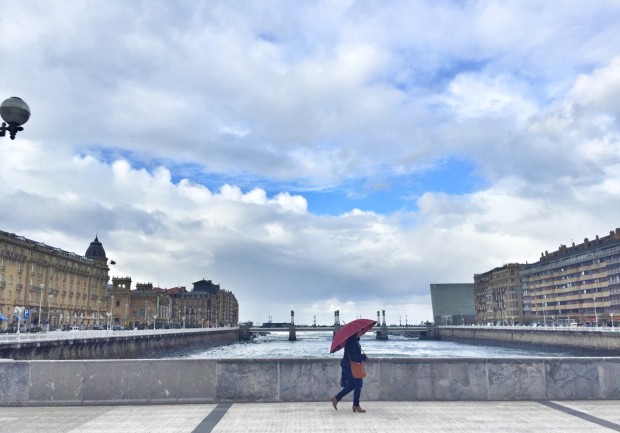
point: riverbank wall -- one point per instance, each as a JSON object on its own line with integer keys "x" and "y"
{"x": 116, "y": 345}
{"x": 101, "y": 382}
{"x": 584, "y": 339}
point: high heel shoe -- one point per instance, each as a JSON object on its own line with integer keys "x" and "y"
{"x": 335, "y": 403}
{"x": 358, "y": 409}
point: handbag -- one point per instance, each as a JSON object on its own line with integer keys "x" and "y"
{"x": 357, "y": 369}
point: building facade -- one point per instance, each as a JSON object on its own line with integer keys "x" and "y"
{"x": 579, "y": 283}
{"x": 143, "y": 307}
{"x": 498, "y": 296}
{"x": 206, "y": 305}
{"x": 55, "y": 287}
{"x": 63, "y": 289}
{"x": 453, "y": 304}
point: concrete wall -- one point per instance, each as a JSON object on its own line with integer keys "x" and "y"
{"x": 117, "y": 345}
{"x": 307, "y": 379}
{"x": 604, "y": 341}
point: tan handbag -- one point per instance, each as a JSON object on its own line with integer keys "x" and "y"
{"x": 357, "y": 369}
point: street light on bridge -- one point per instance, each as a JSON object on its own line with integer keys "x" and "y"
{"x": 15, "y": 112}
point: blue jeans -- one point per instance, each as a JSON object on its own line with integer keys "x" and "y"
{"x": 354, "y": 385}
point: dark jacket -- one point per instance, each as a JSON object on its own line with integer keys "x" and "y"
{"x": 352, "y": 352}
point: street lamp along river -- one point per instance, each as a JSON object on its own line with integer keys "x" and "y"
{"x": 15, "y": 112}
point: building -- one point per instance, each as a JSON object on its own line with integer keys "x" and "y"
{"x": 143, "y": 307}
{"x": 498, "y": 295}
{"x": 56, "y": 287}
{"x": 579, "y": 283}
{"x": 65, "y": 289}
{"x": 206, "y": 305}
{"x": 453, "y": 304}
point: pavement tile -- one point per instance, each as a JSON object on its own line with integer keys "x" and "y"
{"x": 393, "y": 417}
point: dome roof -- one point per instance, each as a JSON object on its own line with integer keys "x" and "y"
{"x": 95, "y": 250}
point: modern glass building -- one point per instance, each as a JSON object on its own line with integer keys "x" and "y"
{"x": 453, "y": 303}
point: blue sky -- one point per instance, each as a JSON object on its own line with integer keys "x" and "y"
{"x": 314, "y": 156}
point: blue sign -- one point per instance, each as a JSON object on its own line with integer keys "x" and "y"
{"x": 26, "y": 313}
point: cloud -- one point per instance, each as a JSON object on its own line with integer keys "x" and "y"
{"x": 195, "y": 140}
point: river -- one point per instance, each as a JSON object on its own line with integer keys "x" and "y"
{"x": 313, "y": 344}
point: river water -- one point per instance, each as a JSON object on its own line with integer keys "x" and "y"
{"x": 316, "y": 345}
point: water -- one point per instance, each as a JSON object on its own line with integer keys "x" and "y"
{"x": 316, "y": 345}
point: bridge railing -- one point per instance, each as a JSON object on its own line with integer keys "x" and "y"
{"x": 539, "y": 328}
{"x": 24, "y": 337}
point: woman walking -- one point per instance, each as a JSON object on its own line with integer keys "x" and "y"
{"x": 352, "y": 352}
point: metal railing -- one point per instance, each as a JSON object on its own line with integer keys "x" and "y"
{"x": 539, "y": 328}
{"x": 24, "y": 337}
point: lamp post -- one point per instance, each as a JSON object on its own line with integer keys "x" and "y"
{"x": 112, "y": 312}
{"x": 40, "y": 306}
{"x": 98, "y": 317}
{"x": 19, "y": 311}
{"x": 15, "y": 112}
{"x": 612, "y": 321}
{"x": 49, "y": 301}
{"x": 595, "y": 312}
{"x": 126, "y": 306}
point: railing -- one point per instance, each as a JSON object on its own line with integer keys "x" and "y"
{"x": 540, "y": 328}
{"x": 24, "y": 337}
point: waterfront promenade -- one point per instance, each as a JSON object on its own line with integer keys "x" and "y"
{"x": 393, "y": 417}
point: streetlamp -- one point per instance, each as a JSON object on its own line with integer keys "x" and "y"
{"x": 154, "y": 321}
{"x": 49, "y": 301}
{"x": 19, "y": 311}
{"x": 126, "y": 305}
{"x": 15, "y": 112}
{"x": 98, "y": 317}
{"x": 112, "y": 311}
{"x": 595, "y": 312}
{"x": 40, "y": 306}
{"x": 612, "y": 321}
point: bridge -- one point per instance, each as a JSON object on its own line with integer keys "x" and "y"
{"x": 392, "y": 329}
{"x": 381, "y": 332}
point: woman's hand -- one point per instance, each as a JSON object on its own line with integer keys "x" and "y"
{"x": 364, "y": 357}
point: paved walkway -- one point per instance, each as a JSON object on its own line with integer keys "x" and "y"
{"x": 391, "y": 417}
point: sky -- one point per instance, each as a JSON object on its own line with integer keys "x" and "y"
{"x": 312, "y": 156}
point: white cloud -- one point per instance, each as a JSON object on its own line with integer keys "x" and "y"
{"x": 125, "y": 96}
{"x": 479, "y": 96}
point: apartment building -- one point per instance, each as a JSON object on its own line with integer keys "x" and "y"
{"x": 498, "y": 295}
{"x": 578, "y": 283}
{"x": 206, "y": 305}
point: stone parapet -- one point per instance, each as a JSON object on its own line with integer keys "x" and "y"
{"x": 595, "y": 339}
{"x": 101, "y": 382}
{"x": 95, "y": 345}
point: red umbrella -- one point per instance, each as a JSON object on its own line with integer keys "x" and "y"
{"x": 349, "y": 329}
